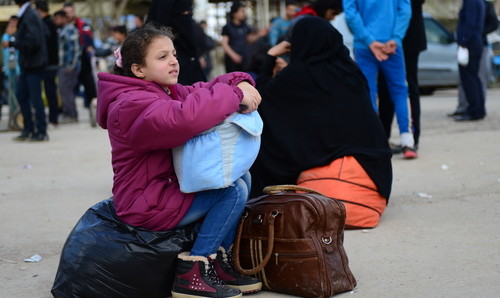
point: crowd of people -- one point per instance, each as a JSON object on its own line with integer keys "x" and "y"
{"x": 325, "y": 115}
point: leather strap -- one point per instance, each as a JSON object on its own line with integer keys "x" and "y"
{"x": 289, "y": 187}
{"x": 270, "y": 246}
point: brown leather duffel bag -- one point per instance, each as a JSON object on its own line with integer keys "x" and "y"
{"x": 294, "y": 243}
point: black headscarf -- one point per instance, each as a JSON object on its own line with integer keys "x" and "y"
{"x": 178, "y": 15}
{"x": 316, "y": 110}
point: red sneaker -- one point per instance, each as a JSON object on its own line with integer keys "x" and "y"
{"x": 409, "y": 153}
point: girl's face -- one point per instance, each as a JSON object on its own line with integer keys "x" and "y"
{"x": 161, "y": 65}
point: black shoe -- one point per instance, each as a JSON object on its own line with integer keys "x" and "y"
{"x": 39, "y": 137}
{"x": 395, "y": 148}
{"x": 24, "y": 136}
{"x": 456, "y": 114}
{"x": 224, "y": 267}
{"x": 467, "y": 118}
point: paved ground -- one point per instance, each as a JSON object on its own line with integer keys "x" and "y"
{"x": 439, "y": 236}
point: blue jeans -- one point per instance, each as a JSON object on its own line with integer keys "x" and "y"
{"x": 222, "y": 209}
{"x": 395, "y": 76}
{"x": 29, "y": 94}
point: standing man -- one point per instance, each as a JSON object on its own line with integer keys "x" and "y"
{"x": 490, "y": 25}
{"x": 280, "y": 26}
{"x": 50, "y": 72}
{"x": 30, "y": 41}
{"x": 236, "y": 37}
{"x": 379, "y": 28}
{"x": 470, "y": 36}
{"x": 87, "y": 77}
{"x": 69, "y": 65}
{"x": 414, "y": 43}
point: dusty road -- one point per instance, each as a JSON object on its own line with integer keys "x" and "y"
{"x": 439, "y": 236}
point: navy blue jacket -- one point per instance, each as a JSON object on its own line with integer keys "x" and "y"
{"x": 471, "y": 23}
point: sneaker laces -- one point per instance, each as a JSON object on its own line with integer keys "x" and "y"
{"x": 212, "y": 275}
{"x": 227, "y": 258}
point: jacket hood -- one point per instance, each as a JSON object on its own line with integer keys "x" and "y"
{"x": 111, "y": 87}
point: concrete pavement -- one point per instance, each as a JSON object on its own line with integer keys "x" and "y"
{"x": 438, "y": 237}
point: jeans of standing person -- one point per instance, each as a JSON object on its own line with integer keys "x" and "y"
{"x": 222, "y": 209}
{"x": 471, "y": 83}
{"x": 395, "y": 76}
{"x": 483, "y": 76}
{"x": 10, "y": 86}
{"x": 29, "y": 94}
{"x": 67, "y": 82}
{"x": 49, "y": 84}
{"x": 386, "y": 107}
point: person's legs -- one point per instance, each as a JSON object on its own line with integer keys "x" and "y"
{"x": 35, "y": 97}
{"x": 385, "y": 105}
{"x": 369, "y": 65}
{"x": 22, "y": 94}
{"x": 222, "y": 209}
{"x": 483, "y": 76}
{"x": 395, "y": 75}
{"x": 484, "y": 66}
{"x": 469, "y": 76}
{"x": 49, "y": 83}
{"x": 197, "y": 273}
{"x": 411, "y": 64}
{"x": 67, "y": 82}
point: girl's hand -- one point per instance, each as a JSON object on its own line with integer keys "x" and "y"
{"x": 251, "y": 97}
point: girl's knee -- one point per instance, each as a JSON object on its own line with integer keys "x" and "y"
{"x": 241, "y": 191}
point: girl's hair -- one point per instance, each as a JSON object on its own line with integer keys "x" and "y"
{"x": 136, "y": 45}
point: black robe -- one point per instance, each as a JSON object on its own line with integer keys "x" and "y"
{"x": 177, "y": 14}
{"x": 316, "y": 110}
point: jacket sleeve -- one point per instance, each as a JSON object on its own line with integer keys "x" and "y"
{"x": 402, "y": 21}
{"x": 355, "y": 22}
{"x": 232, "y": 79}
{"x": 28, "y": 39}
{"x": 168, "y": 123}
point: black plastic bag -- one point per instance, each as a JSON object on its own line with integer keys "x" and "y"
{"x": 104, "y": 257}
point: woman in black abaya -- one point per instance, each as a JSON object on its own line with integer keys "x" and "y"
{"x": 178, "y": 15}
{"x": 320, "y": 130}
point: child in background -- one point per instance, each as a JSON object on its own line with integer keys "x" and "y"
{"x": 147, "y": 114}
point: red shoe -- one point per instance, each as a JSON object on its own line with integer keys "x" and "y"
{"x": 225, "y": 270}
{"x": 409, "y": 153}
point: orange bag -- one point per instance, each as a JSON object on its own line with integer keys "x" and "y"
{"x": 345, "y": 180}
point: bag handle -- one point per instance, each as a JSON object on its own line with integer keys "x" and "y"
{"x": 270, "y": 246}
{"x": 289, "y": 187}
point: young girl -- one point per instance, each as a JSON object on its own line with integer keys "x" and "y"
{"x": 147, "y": 114}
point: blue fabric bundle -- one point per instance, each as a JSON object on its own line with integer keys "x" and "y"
{"x": 219, "y": 156}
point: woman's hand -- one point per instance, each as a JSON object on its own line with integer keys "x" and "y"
{"x": 280, "y": 49}
{"x": 251, "y": 97}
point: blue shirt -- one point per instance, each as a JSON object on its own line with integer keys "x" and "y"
{"x": 10, "y": 57}
{"x": 69, "y": 47}
{"x": 376, "y": 20}
{"x": 278, "y": 30}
